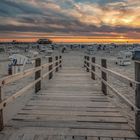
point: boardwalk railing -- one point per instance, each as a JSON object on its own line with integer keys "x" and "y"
{"x": 52, "y": 65}
{"x": 89, "y": 63}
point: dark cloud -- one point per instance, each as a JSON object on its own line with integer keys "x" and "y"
{"x": 13, "y": 8}
{"x": 73, "y": 17}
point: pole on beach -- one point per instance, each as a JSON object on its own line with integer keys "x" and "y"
{"x": 93, "y": 68}
{"x": 60, "y": 61}
{"x": 1, "y": 112}
{"x": 88, "y": 59}
{"x": 38, "y": 75}
{"x": 137, "y": 98}
{"x": 56, "y": 64}
{"x": 104, "y": 76}
{"x": 50, "y": 68}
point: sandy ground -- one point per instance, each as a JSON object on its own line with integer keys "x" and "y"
{"x": 110, "y": 56}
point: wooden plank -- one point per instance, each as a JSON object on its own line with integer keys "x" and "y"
{"x": 72, "y": 99}
{"x": 69, "y": 138}
{"x": 132, "y": 139}
{"x": 77, "y": 88}
{"x": 16, "y": 136}
{"x": 70, "y": 124}
{"x": 93, "y": 138}
{"x": 66, "y": 96}
{"x": 87, "y": 109}
{"x": 69, "y": 93}
{"x": 79, "y": 132}
{"x": 49, "y": 91}
{"x": 79, "y": 137}
{"x": 28, "y": 136}
{"x": 72, "y": 84}
{"x": 5, "y": 136}
{"x": 69, "y": 118}
{"x": 69, "y": 113}
{"x": 71, "y": 104}
{"x": 55, "y": 138}
{"x": 105, "y": 138}
{"x": 119, "y": 139}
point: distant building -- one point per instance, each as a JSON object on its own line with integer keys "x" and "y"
{"x": 44, "y": 41}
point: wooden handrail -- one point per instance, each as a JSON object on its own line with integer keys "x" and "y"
{"x": 128, "y": 102}
{"x": 22, "y": 91}
{"x": 134, "y": 84}
{"x": 37, "y": 82}
{"x": 9, "y": 79}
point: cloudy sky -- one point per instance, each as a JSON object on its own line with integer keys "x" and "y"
{"x": 90, "y": 19}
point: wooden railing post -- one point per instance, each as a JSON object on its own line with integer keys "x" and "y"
{"x": 85, "y": 57}
{"x": 50, "y": 68}
{"x": 60, "y": 61}
{"x": 93, "y": 68}
{"x": 38, "y": 75}
{"x": 104, "y": 76}
{"x": 137, "y": 98}
{"x": 1, "y": 112}
{"x": 56, "y": 64}
{"x": 88, "y": 59}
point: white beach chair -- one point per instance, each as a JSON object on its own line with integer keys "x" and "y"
{"x": 18, "y": 63}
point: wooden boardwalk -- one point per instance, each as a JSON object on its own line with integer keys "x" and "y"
{"x": 71, "y": 107}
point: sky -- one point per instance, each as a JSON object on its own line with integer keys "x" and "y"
{"x": 70, "y": 20}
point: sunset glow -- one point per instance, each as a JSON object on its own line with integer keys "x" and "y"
{"x": 70, "y": 20}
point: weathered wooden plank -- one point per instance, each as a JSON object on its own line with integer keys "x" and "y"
{"x": 16, "y": 136}
{"x": 55, "y": 138}
{"x": 76, "y": 88}
{"x": 69, "y": 113}
{"x": 105, "y": 138}
{"x": 119, "y": 139}
{"x": 92, "y": 138}
{"x": 71, "y": 124}
{"x": 79, "y": 137}
{"x": 69, "y": 93}
{"x": 69, "y": 118}
{"x": 132, "y": 139}
{"x": 79, "y": 132}
{"x": 72, "y": 104}
{"x": 69, "y": 137}
{"x": 72, "y": 98}
{"x": 87, "y": 109}
{"x": 28, "y": 136}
